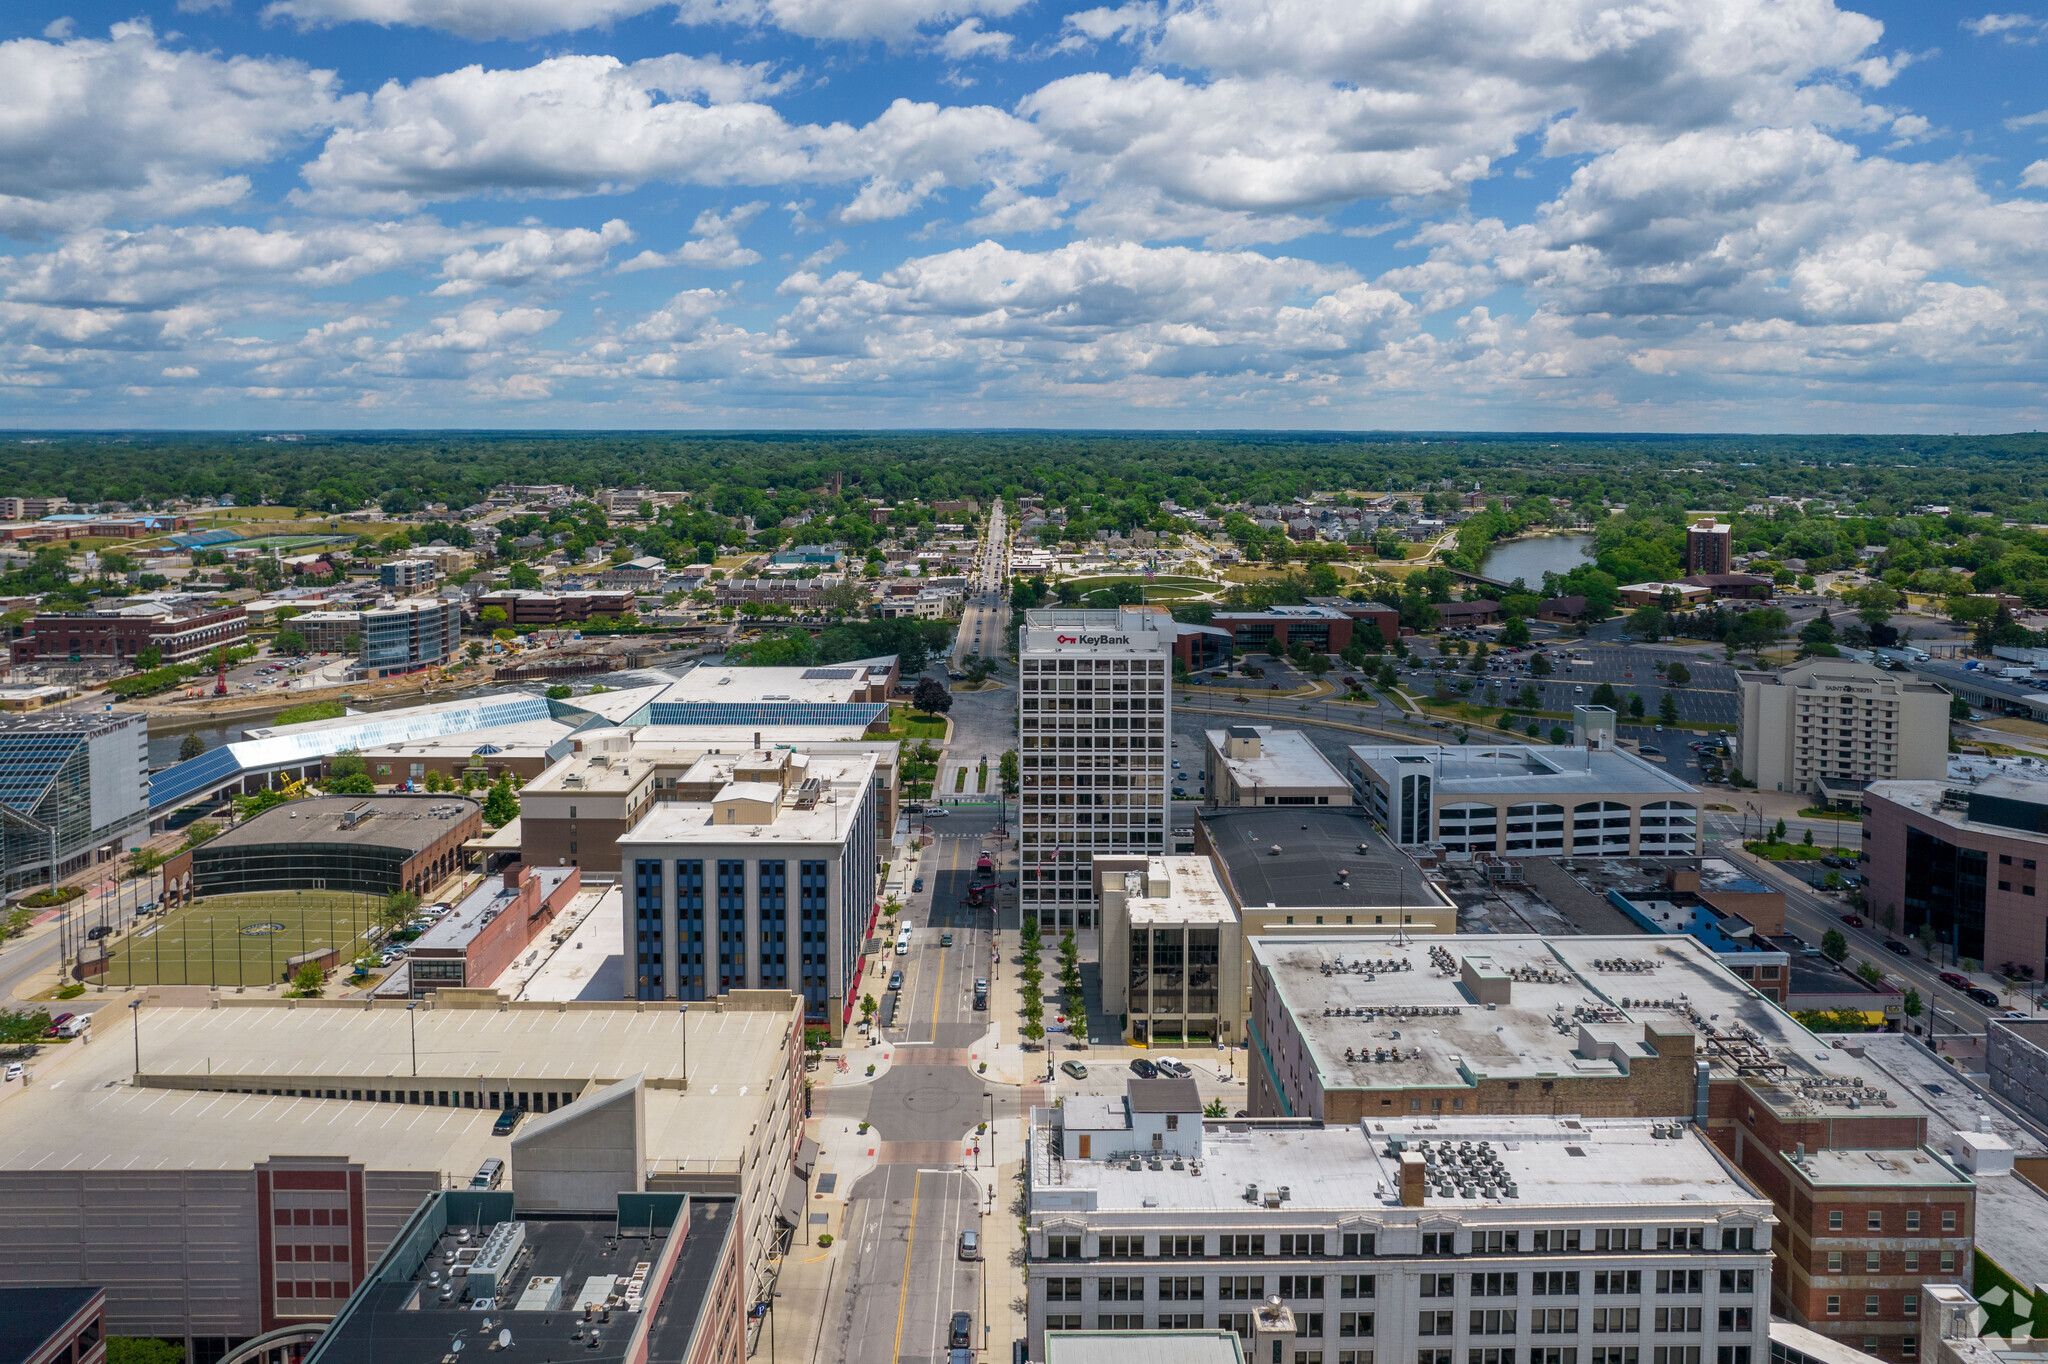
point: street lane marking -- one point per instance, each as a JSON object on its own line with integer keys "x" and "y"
{"x": 909, "y": 1244}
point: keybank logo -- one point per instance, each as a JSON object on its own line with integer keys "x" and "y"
{"x": 1093, "y": 639}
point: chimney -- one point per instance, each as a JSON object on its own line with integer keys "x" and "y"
{"x": 515, "y": 876}
{"x": 1412, "y": 1171}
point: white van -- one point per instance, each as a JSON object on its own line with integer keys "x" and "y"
{"x": 903, "y": 945}
{"x": 75, "y": 1026}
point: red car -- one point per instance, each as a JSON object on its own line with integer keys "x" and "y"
{"x": 1852, "y": 920}
{"x": 1961, "y": 982}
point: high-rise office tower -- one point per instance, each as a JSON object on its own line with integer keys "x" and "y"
{"x": 1094, "y": 729}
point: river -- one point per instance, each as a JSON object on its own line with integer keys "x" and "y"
{"x": 1529, "y": 559}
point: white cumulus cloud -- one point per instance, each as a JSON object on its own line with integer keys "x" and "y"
{"x": 93, "y": 129}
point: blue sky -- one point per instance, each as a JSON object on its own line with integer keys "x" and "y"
{"x": 1584, "y": 214}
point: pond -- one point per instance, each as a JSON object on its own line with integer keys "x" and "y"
{"x": 1531, "y": 558}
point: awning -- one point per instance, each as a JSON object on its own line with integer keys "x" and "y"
{"x": 791, "y": 1212}
{"x": 806, "y": 1158}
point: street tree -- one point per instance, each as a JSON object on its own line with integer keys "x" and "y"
{"x": 931, "y": 696}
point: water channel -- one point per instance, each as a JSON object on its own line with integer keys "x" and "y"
{"x": 1529, "y": 559}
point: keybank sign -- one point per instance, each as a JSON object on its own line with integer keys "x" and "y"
{"x": 1091, "y": 639}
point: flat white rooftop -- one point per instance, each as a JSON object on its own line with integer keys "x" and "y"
{"x": 1287, "y": 761}
{"x": 845, "y": 777}
{"x": 587, "y": 966}
{"x": 84, "y": 1111}
{"x": 1547, "y": 1162}
{"x": 832, "y": 683}
{"x": 1578, "y": 1007}
{"x": 1194, "y": 895}
{"x": 1512, "y": 769}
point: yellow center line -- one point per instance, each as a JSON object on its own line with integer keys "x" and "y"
{"x": 909, "y": 1244}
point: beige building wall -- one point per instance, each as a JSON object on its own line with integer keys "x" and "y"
{"x": 1831, "y": 718}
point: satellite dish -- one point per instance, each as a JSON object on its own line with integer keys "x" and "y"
{"x": 456, "y": 1346}
{"x": 505, "y": 1338}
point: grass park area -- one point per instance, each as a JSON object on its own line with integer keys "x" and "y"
{"x": 230, "y": 940}
{"x": 905, "y": 723}
{"x": 1789, "y": 852}
{"x": 1163, "y": 589}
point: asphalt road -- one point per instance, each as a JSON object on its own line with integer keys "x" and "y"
{"x": 905, "y": 1278}
{"x": 1810, "y": 914}
{"x": 905, "y": 1217}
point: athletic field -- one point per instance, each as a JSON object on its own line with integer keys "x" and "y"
{"x": 230, "y": 940}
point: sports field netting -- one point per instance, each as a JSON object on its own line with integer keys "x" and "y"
{"x": 230, "y": 940}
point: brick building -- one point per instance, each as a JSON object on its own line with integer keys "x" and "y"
{"x": 1709, "y": 547}
{"x": 474, "y": 942}
{"x": 1630, "y": 1027}
{"x": 118, "y": 636}
{"x": 1964, "y": 859}
{"x": 554, "y": 608}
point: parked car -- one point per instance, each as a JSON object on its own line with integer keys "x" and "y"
{"x": 56, "y": 1028}
{"x": 970, "y": 1244}
{"x": 488, "y": 1174}
{"x": 896, "y": 979}
{"x": 1144, "y": 1069}
{"x": 917, "y": 885}
{"x": 960, "y": 1332}
{"x": 1983, "y": 996}
{"x": 507, "y": 1120}
{"x": 1894, "y": 945}
{"x": 16, "y": 1070}
{"x": 1075, "y": 1069}
{"x": 936, "y": 812}
{"x": 96, "y": 932}
{"x": 1955, "y": 978}
{"x": 1853, "y": 920}
{"x": 1172, "y": 1069}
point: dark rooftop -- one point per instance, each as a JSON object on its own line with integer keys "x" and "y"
{"x": 410, "y": 822}
{"x": 29, "y": 1316}
{"x": 1315, "y": 843}
{"x": 1163, "y": 1096}
{"x": 396, "y": 1318}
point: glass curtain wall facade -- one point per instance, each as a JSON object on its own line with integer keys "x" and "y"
{"x": 1174, "y": 975}
{"x": 1945, "y": 887}
{"x": 85, "y": 775}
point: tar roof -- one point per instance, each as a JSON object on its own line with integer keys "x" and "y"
{"x": 1290, "y": 857}
{"x": 405, "y": 1320}
{"x": 1578, "y": 1007}
{"x": 1163, "y": 1096}
{"x": 1547, "y": 1161}
{"x": 412, "y": 822}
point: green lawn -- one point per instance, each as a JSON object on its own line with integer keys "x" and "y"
{"x": 240, "y": 939}
{"x": 905, "y": 723}
{"x": 1788, "y": 852}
